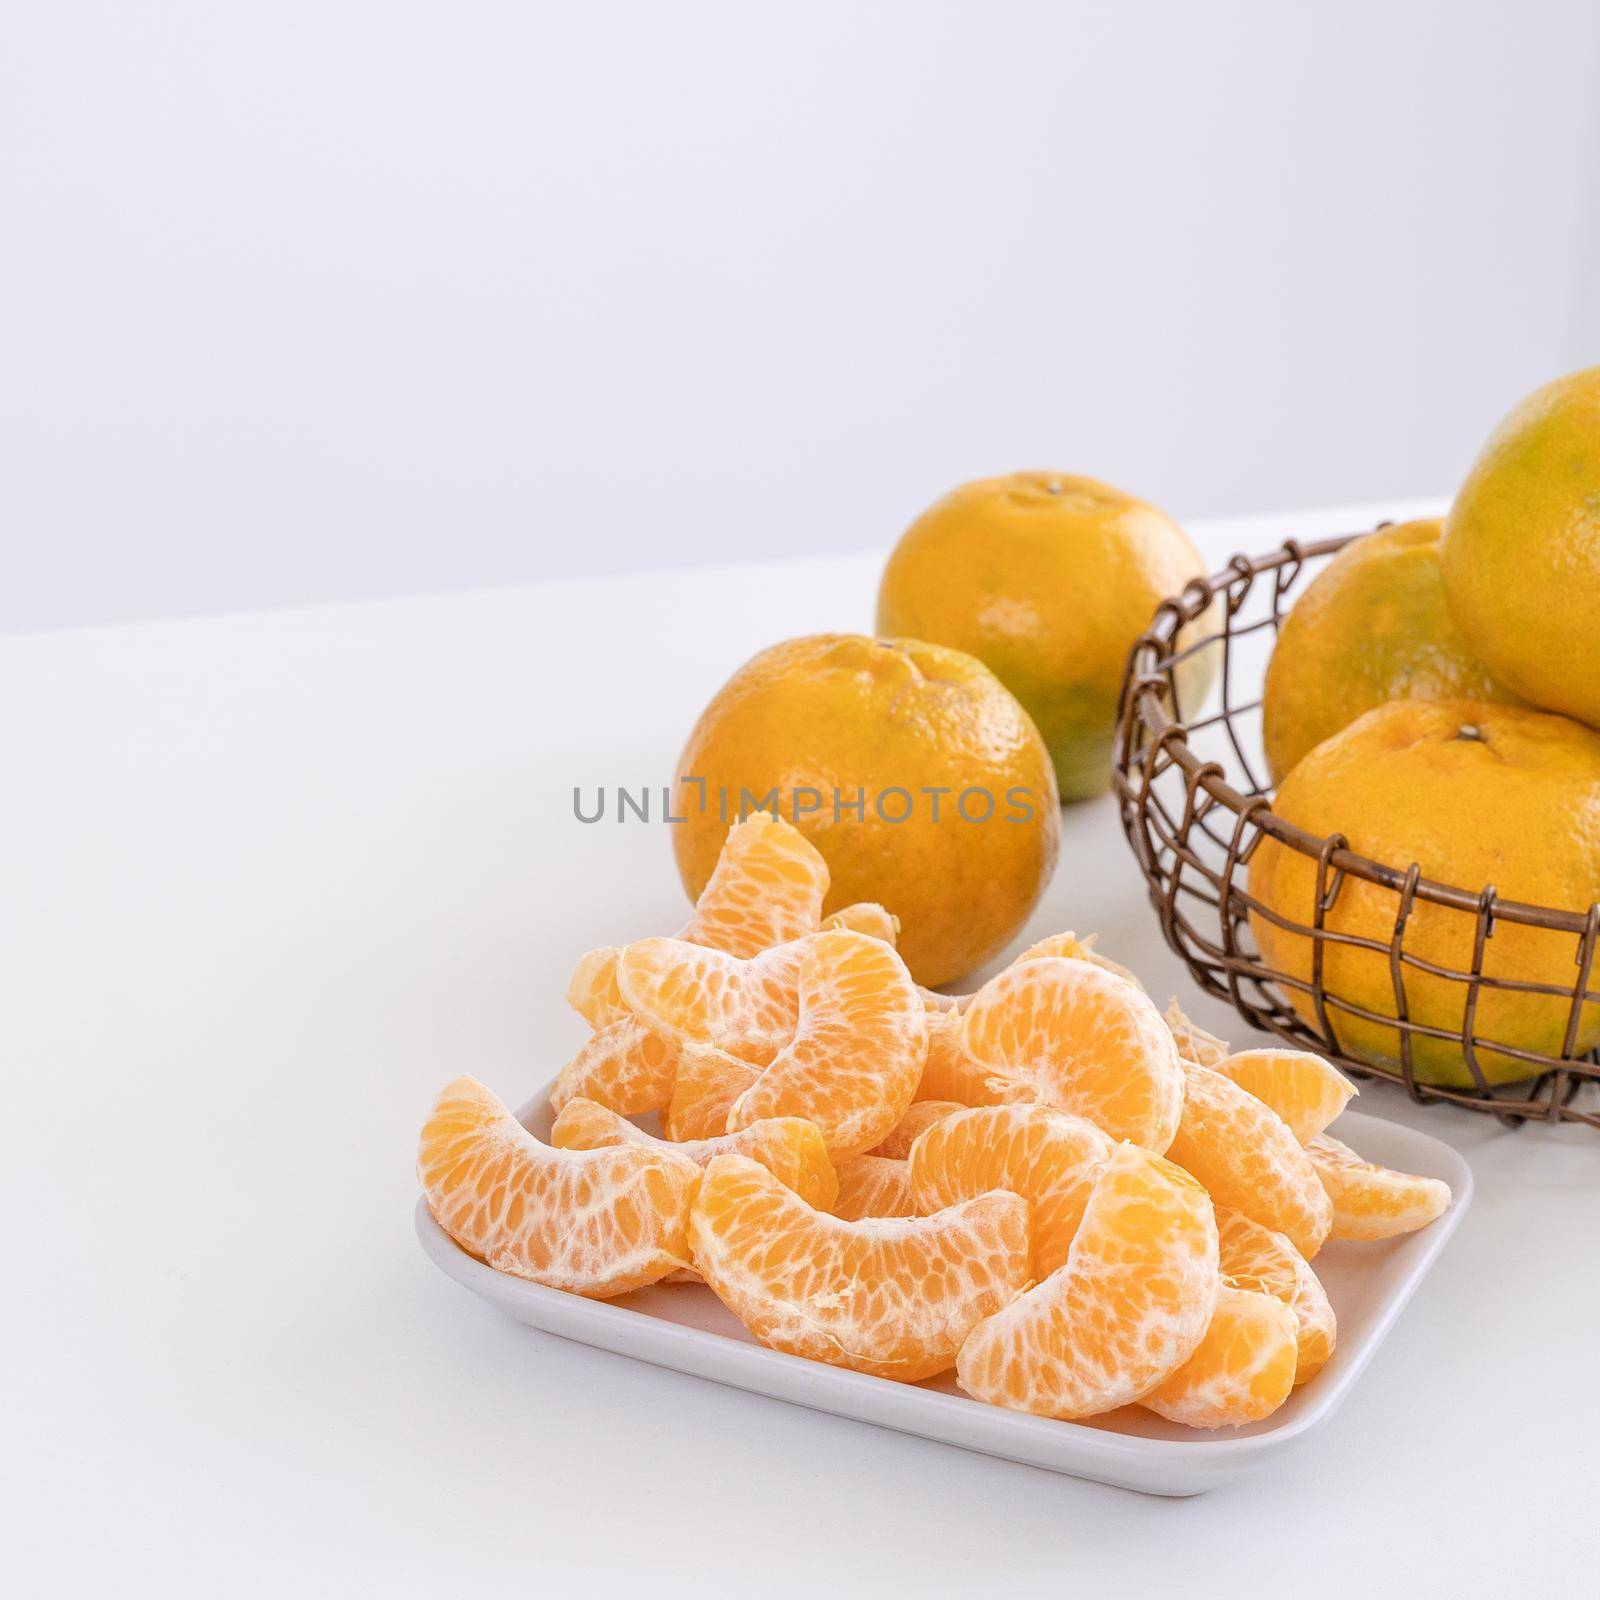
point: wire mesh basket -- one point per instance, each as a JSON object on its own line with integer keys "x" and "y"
{"x": 1196, "y": 809}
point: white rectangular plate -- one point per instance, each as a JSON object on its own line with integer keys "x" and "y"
{"x": 686, "y": 1327}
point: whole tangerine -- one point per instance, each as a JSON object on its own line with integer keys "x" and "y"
{"x": 911, "y": 768}
{"x": 1373, "y": 627}
{"x": 1476, "y": 795}
{"x": 1048, "y": 579}
{"x": 1521, "y": 553}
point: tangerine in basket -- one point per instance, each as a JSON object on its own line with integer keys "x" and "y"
{"x": 1521, "y": 553}
{"x": 1373, "y": 627}
{"x": 1476, "y": 795}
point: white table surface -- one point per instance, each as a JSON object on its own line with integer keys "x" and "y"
{"x": 270, "y": 880}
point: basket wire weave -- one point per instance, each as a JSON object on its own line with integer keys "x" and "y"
{"x": 1195, "y": 806}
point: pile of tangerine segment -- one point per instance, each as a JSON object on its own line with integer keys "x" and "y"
{"x": 1074, "y": 1201}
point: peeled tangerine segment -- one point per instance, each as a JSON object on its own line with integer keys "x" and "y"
{"x": 937, "y": 1000}
{"x": 1086, "y": 1041}
{"x": 707, "y": 1083}
{"x": 865, "y": 916}
{"x": 1076, "y": 949}
{"x": 1306, "y": 1091}
{"x": 1243, "y": 1370}
{"x": 1049, "y": 1157}
{"x": 694, "y": 995}
{"x": 894, "y": 1298}
{"x": 874, "y": 1186}
{"x": 1068, "y": 946}
{"x": 789, "y": 1148}
{"x": 949, "y": 1073}
{"x": 592, "y": 990}
{"x": 1254, "y": 1257}
{"x": 1245, "y": 1155}
{"x": 1130, "y": 1306}
{"x": 920, "y": 1116}
{"x": 856, "y": 1058}
{"x": 1372, "y": 1202}
{"x": 1193, "y": 1042}
{"x": 767, "y": 888}
{"x": 625, "y": 1066}
{"x": 854, "y": 1054}
{"x": 592, "y": 1222}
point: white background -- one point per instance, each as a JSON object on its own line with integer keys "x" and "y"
{"x": 314, "y": 300}
{"x": 276, "y": 879}
{"x": 310, "y": 301}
